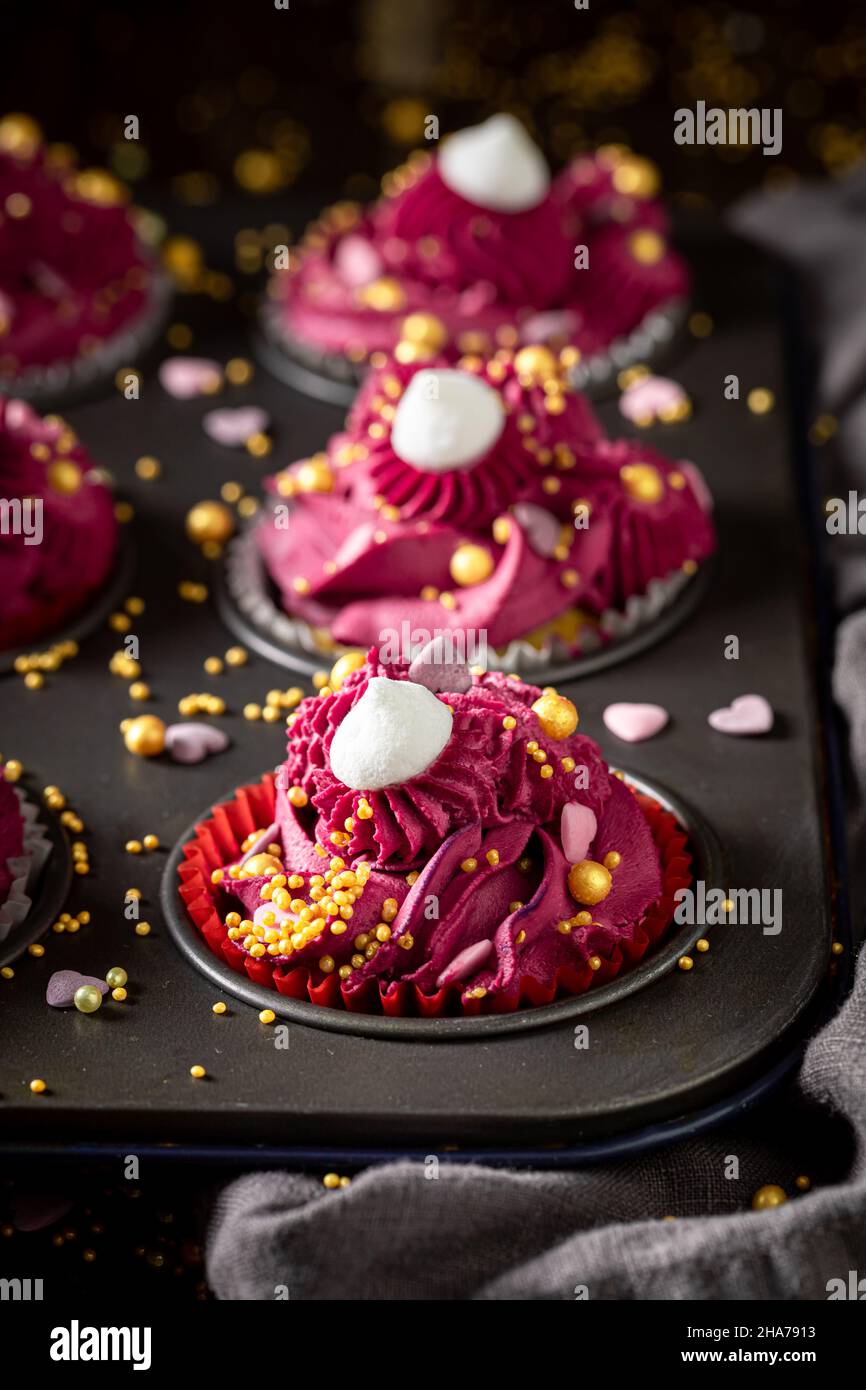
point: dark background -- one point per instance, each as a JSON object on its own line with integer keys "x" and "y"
{"x": 328, "y": 94}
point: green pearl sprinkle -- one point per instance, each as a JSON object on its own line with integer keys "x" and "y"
{"x": 116, "y": 977}
{"x": 87, "y": 999}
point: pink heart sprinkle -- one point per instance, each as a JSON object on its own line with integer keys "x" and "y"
{"x": 190, "y": 743}
{"x": 357, "y": 262}
{"x": 435, "y": 669}
{"x": 651, "y": 396}
{"x": 541, "y": 528}
{"x": 465, "y": 964}
{"x": 577, "y": 830}
{"x": 61, "y": 987}
{"x": 187, "y": 377}
{"x": 634, "y": 723}
{"x": 748, "y": 714}
{"x": 234, "y": 425}
{"x": 559, "y": 325}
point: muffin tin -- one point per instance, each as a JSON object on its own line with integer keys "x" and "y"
{"x": 679, "y": 1047}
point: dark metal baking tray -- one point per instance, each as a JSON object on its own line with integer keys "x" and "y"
{"x": 684, "y": 1044}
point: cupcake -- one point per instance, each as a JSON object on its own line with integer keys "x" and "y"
{"x": 58, "y": 537}
{"x": 482, "y": 498}
{"x": 24, "y": 850}
{"x": 475, "y": 248}
{"x": 80, "y": 294}
{"x": 438, "y": 842}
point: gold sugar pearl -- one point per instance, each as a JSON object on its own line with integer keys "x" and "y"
{"x": 36, "y": 950}
{"x": 702, "y": 944}
{"x": 13, "y": 770}
{"x": 469, "y": 865}
{"x": 151, "y": 842}
{"x": 197, "y": 1072}
{"x": 142, "y": 929}
{"x": 612, "y": 860}
{"x": 252, "y": 712}
{"x": 771, "y": 1195}
{"x": 139, "y": 690}
{"x": 135, "y": 606}
{"x": 594, "y": 962}
{"x": 803, "y": 1183}
{"x": 267, "y": 1016}
{"x": 237, "y": 656}
{"x": 219, "y": 1007}
{"x": 118, "y": 994}
{"x": 34, "y": 680}
{"x": 239, "y": 371}
{"x": 7, "y": 972}
{"x": 685, "y": 963}
{"x": 213, "y": 665}
{"x": 148, "y": 468}
{"x": 133, "y": 847}
{"x": 144, "y": 736}
{"x": 38, "y": 1086}
{"x": 191, "y": 592}
{"x": 760, "y": 400}
{"x": 589, "y": 882}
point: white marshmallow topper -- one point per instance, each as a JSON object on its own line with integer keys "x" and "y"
{"x": 446, "y": 419}
{"x": 394, "y": 732}
{"x": 495, "y": 165}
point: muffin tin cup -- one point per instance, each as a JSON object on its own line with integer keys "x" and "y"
{"x": 331, "y": 377}
{"x": 64, "y": 383}
{"x": 94, "y": 613}
{"x": 248, "y": 604}
{"x": 662, "y": 954}
{"x": 48, "y": 882}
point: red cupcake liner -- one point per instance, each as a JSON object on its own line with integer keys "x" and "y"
{"x": 219, "y": 838}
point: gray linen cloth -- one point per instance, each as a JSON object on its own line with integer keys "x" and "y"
{"x": 478, "y": 1232}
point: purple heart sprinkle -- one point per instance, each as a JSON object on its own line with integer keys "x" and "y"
{"x": 435, "y": 668}
{"x": 191, "y": 743}
{"x": 60, "y": 990}
{"x": 233, "y": 425}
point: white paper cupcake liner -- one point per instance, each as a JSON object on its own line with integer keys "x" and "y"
{"x": 25, "y": 868}
{"x": 248, "y": 604}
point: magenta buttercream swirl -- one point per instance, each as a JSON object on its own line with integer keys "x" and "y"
{"x": 47, "y": 571}
{"x": 484, "y": 774}
{"x": 445, "y": 241}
